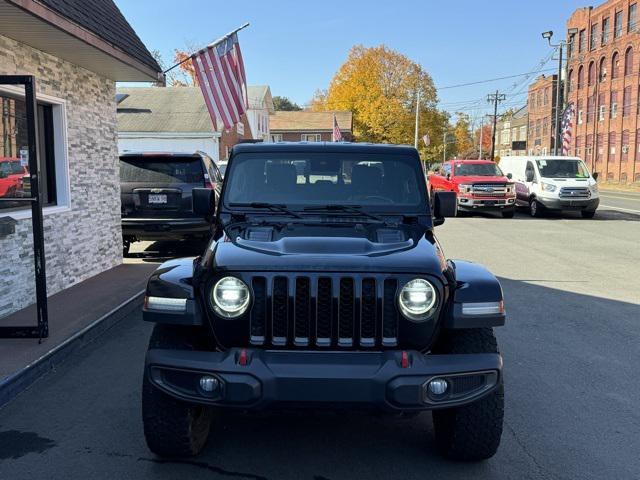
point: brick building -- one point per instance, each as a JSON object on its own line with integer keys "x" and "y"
{"x": 77, "y": 51}
{"x": 603, "y": 83}
{"x": 309, "y": 126}
{"x": 541, "y": 105}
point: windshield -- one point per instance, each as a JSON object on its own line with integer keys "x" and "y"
{"x": 478, "y": 170}
{"x": 562, "y": 169}
{"x": 299, "y": 180}
{"x": 160, "y": 170}
{"x": 12, "y": 167}
{"x": 223, "y": 168}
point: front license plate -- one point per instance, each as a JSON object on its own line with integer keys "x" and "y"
{"x": 157, "y": 199}
{"x": 490, "y": 203}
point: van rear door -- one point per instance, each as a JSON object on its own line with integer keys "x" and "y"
{"x": 159, "y": 185}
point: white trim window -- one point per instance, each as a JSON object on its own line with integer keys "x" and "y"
{"x": 311, "y": 137}
{"x": 52, "y": 146}
{"x": 276, "y": 137}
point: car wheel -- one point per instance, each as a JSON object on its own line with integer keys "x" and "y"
{"x": 587, "y": 213}
{"x": 470, "y": 432}
{"x": 173, "y": 428}
{"x": 508, "y": 213}
{"x": 535, "y": 208}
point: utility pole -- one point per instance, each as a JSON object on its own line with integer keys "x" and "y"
{"x": 415, "y": 142}
{"x": 495, "y": 98}
{"x": 481, "y": 128}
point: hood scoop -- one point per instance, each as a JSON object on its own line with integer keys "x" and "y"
{"x": 259, "y": 234}
{"x": 326, "y": 246}
{"x": 385, "y": 235}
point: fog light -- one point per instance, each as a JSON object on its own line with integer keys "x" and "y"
{"x": 209, "y": 384}
{"x": 438, "y": 386}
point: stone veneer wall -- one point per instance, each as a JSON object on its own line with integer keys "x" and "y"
{"x": 85, "y": 239}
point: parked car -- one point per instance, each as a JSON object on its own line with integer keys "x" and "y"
{"x": 222, "y": 166}
{"x": 156, "y": 195}
{"x": 11, "y": 177}
{"x": 479, "y": 185}
{"x": 324, "y": 290}
{"x": 553, "y": 183}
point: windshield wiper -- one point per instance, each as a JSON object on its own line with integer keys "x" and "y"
{"x": 274, "y": 207}
{"x": 345, "y": 208}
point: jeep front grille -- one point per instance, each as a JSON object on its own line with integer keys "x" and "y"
{"x": 324, "y": 311}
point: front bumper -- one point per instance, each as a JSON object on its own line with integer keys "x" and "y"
{"x": 589, "y": 204}
{"x": 257, "y": 379}
{"x": 469, "y": 203}
{"x": 163, "y": 228}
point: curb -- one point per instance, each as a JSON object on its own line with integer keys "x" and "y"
{"x": 18, "y": 382}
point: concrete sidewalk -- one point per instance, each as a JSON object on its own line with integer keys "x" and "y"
{"x": 76, "y": 316}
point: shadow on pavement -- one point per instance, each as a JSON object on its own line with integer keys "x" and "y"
{"x": 602, "y": 214}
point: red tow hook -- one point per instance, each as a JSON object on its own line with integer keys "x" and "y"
{"x": 243, "y": 358}
{"x": 404, "y": 362}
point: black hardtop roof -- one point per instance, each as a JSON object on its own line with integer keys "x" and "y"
{"x": 319, "y": 147}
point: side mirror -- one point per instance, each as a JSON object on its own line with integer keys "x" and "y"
{"x": 595, "y": 175}
{"x": 203, "y": 201}
{"x": 509, "y": 176}
{"x": 444, "y": 205}
{"x": 448, "y": 176}
{"x": 529, "y": 176}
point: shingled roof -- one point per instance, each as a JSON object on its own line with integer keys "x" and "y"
{"x": 309, "y": 121}
{"x": 103, "y": 18}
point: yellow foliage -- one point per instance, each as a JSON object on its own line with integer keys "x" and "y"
{"x": 379, "y": 86}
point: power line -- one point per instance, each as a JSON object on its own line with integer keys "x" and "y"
{"x": 492, "y": 80}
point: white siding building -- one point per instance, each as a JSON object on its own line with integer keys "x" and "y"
{"x": 260, "y": 108}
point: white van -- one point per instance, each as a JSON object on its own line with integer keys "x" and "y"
{"x": 553, "y": 183}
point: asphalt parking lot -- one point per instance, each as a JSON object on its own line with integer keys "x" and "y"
{"x": 571, "y": 355}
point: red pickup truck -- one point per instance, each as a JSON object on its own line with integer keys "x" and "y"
{"x": 478, "y": 184}
{"x": 11, "y": 173}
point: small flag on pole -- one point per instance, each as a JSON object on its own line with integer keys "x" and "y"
{"x": 220, "y": 72}
{"x": 567, "y": 128}
{"x": 337, "y": 134}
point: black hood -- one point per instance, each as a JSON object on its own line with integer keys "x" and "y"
{"x": 389, "y": 251}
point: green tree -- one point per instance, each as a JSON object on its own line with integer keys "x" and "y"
{"x": 462, "y": 134}
{"x": 283, "y": 104}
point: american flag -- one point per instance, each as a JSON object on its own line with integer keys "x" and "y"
{"x": 337, "y": 134}
{"x": 567, "y": 127}
{"x": 220, "y": 72}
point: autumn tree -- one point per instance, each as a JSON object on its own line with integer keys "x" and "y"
{"x": 486, "y": 140}
{"x": 186, "y": 67}
{"x": 380, "y": 87}
{"x": 462, "y": 134}
{"x": 283, "y": 104}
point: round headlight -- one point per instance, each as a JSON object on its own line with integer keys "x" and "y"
{"x": 417, "y": 299}
{"x": 230, "y": 297}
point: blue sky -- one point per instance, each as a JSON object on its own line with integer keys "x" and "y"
{"x": 296, "y": 47}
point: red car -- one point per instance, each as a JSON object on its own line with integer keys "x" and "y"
{"x": 11, "y": 173}
{"x": 479, "y": 185}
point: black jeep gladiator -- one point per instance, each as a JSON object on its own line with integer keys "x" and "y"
{"x": 324, "y": 287}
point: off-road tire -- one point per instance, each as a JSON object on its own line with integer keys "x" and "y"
{"x": 471, "y": 432}
{"x": 173, "y": 428}
{"x": 508, "y": 213}
{"x": 587, "y": 213}
{"x": 536, "y": 209}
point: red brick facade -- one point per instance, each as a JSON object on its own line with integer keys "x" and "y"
{"x": 231, "y": 137}
{"x": 604, "y": 85}
{"x": 541, "y": 105}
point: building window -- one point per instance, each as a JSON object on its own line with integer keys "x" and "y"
{"x": 582, "y": 40}
{"x": 617, "y": 24}
{"x": 614, "y": 104}
{"x": 626, "y": 102}
{"x": 605, "y": 31}
{"x": 546, "y": 96}
{"x": 615, "y": 65}
{"x": 612, "y": 146}
{"x": 624, "y": 150}
{"x": 523, "y": 132}
{"x": 589, "y": 146}
{"x": 545, "y": 126}
{"x": 570, "y": 81}
{"x": 578, "y": 147}
{"x": 593, "y": 41}
{"x": 590, "y": 108}
{"x": 631, "y": 21}
{"x": 628, "y": 61}
{"x": 579, "y": 110}
{"x": 602, "y": 70}
{"x": 310, "y": 137}
{"x": 591, "y": 75}
{"x": 539, "y": 99}
{"x": 505, "y": 136}
{"x": 276, "y": 137}
{"x": 580, "y": 77}
{"x": 599, "y": 147}
{"x": 538, "y": 125}
{"x": 14, "y": 168}
{"x": 601, "y": 107}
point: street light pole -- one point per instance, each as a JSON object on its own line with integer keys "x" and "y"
{"x": 560, "y": 98}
